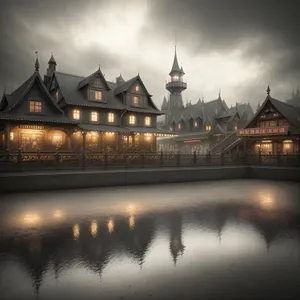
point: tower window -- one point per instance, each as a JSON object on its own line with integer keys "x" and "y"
{"x": 35, "y": 106}
{"x": 147, "y": 121}
{"x": 76, "y": 114}
{"x": 136, "y": 100}
{"x": 94, "y": 116}
{"x": 132, "y": 120}
{"x": 111, "y": 117}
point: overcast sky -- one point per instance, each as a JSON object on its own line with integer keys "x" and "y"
{"x": 240, "y": 46}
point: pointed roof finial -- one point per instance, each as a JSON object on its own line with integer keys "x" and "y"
{"x": 37, "y": 64}
{"x": 219, "y": 93}
{"x": 4, "y": 90}
{"x": 268, "y": 90}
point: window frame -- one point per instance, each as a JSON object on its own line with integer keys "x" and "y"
{"x": 94, "y": 114}
{"x": 73, "y": 114}
{"x": 150, "y": 121}
{"x": 132, "y": 120}
{"x": 111, "y": 120}
{"x": 35, "y": 102}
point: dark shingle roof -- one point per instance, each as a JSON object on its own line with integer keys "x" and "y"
{"x": 88, "y": 79}
{"x": 15, "y": 98}
{"x": 68, "y": 85}
{"x": 175, "y": 66}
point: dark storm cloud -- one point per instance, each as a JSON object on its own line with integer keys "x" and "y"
{"x": 28, "y": 26}
{"x": 266, "y": 30}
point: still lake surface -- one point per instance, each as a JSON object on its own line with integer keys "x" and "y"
{"x": 237, "y": 239}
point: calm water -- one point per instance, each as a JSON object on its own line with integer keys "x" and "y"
{"x": 213, "y": 240}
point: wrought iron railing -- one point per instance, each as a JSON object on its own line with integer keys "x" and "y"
{"x": 25, "y": 161}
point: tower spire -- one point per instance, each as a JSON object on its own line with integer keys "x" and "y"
{"x": 268, "y": 90}
{"x": 37, "y": 64}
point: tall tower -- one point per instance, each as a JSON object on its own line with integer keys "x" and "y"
{"x": 175, "y": 86}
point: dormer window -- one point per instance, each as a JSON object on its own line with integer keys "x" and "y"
{"x": 35, "y": 106}
{"x": 76, "y": 114}
{"x": 111, "y": 117}
{"x": 94, "y": 116}
{"x": 137, "y": 88}
{"x": 208, "y": 127}
{"x": 147, "y": 121}
{"x": 132, "y": 119}
{"x": 135, "y": 100}
{"x": 98, "y": 95}
{"x": 235, "y": 127}
{"x": 57, "y": 95}
{"x": 195, "y": 124}
{"x": 179, "y": 126}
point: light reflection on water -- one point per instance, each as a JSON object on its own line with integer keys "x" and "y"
{"x": 234, "y": 238}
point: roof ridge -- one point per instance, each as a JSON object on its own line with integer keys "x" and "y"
{"x": 69, "y": 74}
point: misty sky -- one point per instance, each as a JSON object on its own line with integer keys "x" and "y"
{"x": 240, "y": 46}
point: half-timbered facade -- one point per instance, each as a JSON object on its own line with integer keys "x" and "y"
{"x": 275, "y": 128}
{"x": 76, "y": 113}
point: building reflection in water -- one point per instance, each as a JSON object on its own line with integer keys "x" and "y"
{"x": 76, "y": 232}
{"x": 58, "y": 214}
{"x": 94, "y": 228}
{"x": 110, "y": 225}
{"x": 133, "y": 235}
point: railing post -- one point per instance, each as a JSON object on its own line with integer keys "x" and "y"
{"x": 20, "y": 158}
{"x": 57, "y": 159}
{"x": 143, "y": 159}
{"x": 194, "y": 158}
{"x": 298, "y": 159}
{"x": 208, "y": 158}
{"x": 178, "y": 158}
{"x": 259, "y": 157}
{"x": 278, "y": 159}
{"x": 125, "y": 160}
{"x": 161, "y": 158}
{"x": 105, "y": 160}
{"x": 7, "y": 152}
{"x": 83, "y": 158}
{"x": 222, "y": 158}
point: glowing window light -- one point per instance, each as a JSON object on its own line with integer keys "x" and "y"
{"x": 94, "y": 228}
{"x": 110, "y": 225}
{"x": 132, "y": 222}
{"x": 76, "y": 114}
{"x": 136, "y": 100}
{"x": 94, "y": 116}
{"x": 35, "y": 106}
{"x": 208, "y": 127}
{"x": 179, "y": 126}
{"x": 58, "y": 214}
{"x": 137, "y": 88}
{"x": 11, "y": 136}
{"x": 196, "y": 124}
{"x": 132, "y": 119}
{"x": 147, "y": 121}
{"x": 76, "y": 232}
{"x": 31, "y": 219}
{"x": 111, "y": 117}
{"x": 98, "y": 95}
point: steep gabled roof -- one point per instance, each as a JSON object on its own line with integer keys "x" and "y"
{"x": 128, "y": 84}
{"x": 291, "y": 113}
{"x": 91, "y": 77}
{"x": 217, "y": 130}
{"x": 15, "y": 98}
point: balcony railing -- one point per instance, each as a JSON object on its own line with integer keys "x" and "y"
{"x": 179, "y": 84}
{"x": 25, "y": 161}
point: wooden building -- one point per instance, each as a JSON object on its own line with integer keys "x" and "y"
{"x": 275, "y": 128}
{"x": 74, "y": 113}
{"x": 199, "y": 126}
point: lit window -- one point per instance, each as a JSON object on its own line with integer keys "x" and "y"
{"x": 98, "y": 95}
{"x": 76, "y": 114}
{"x": 35, "y": 106}
{"x": 235, "y": 127}
{"x": 111, "y": 117}
{"x": 147, "y": 121}
{"x": 137, "y": 88}
{"x": 196, "y": 124}
{"x": 179, "y": 126}
{"x": 94, "y": 116}
{"x": 175, "y": 78}
{"x": 132, "y": 120}
{"x": 57, "y": 95}
{"x": 136, "y": 100}
{"x": 11, "y": 136}
{"x": 208, "y": 127}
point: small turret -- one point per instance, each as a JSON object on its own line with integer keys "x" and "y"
{"x": 164, "y": 105}
{"x": 258, "y": 107}
{"x": 120, "y": 80}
